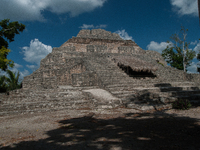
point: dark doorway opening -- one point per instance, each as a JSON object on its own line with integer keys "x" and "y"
{"x": 136, "y": 74}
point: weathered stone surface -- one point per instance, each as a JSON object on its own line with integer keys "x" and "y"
{"x": 98, "y": 34}
{"x": 88, "y": 62}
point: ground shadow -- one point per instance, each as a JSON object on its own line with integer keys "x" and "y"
{"x": 140, "y": 131}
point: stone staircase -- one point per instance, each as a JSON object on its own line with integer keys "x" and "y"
{"x": 154, "y": 95}
{"x": 148, "y": 91}
{"x": 64, "y": 97}
{"x": 143, "y": 94}
{"x": 109, "y": 73}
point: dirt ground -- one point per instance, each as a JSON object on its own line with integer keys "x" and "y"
{"x": 111, "y": 129}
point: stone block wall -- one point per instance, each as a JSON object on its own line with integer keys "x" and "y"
{"x": 99, "y": 46}
{"x": 193, "y": 77}
{"x": 129, "y": 50}
{"x": 61, "y": 70}
{"x": 98, "y": 34}
{"x": 85, "y": 79}
{"x": 34, "y": 81}
{"x": 156, "y": 56}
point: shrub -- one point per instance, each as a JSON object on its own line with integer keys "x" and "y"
{"x": 181, "y": 104}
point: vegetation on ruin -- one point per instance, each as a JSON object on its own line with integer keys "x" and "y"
{"x": 181, "y": 104}
{"x": 160, "y": 63}
{"x": 178, "y": 54}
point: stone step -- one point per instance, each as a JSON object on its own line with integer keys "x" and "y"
{"x": 168, "y": 92}
{"x": 37, "y": 99}
{"x": 176, "y": 84}
{"x": 178, "y": 93}
{"x": 36, "y": 110}
{"x": 116, "y": 93}
{"x": 50, "y": 96}
{"x": 123, "y": 83}
{"x": 195, "y": 102}
{"x": 44, "y": 105}
{"x": 158, "y": 104}
{"x": 148, "y": 107}
{"x": 164, "y": 89}
{"x": 69, "y": 87}
{"x": 110, "y": 72}
{"x": 153, "y": 84}
{"x": 117, "y": 80}
{"x": 158, "y": 97}
{"x": 46, "y": 100}
{"x": 194, "y": 97}
{"x": 53, "y": 105}
{"x": 105, "y": 66}
{"x": 62, "y": 91}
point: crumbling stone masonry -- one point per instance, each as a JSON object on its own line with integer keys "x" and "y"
{"x": 98, "y": 59}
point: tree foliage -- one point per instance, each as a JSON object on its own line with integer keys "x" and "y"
{"x": 8, "y": 30}
{"x": 3, "y": 85}
{"x": 13, "y": 80}
{"x": 9, "y": 83}
{"x": 4, "y": 62}
{"x": 178, "y": 54}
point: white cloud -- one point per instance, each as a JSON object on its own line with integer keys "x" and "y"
{"x": 159, "y": 47}
{"x": 197, "y": 48}
{"x": 18, "y": 65}
{"x": 192, "y": 68}
{"x": 32, "y": 67}
{"x": 124, "y": 35}
{"x": 91, "y": 26}
{"x": 86, "y": 26}
{"x": 194, "y": 43}
{"x": 35, "y": 52}
{"x": 185, "y": 7}
{"x": 32, "y": 9}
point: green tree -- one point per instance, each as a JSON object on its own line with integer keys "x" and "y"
{"x": 13, "y": 80}
{"x": 3, "y": 85}
{"x": 178, "y": 54}
{"x": 8, "y": 30}
{"x": 4, "y": 62}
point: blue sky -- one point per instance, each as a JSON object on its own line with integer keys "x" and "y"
{"x": 50, "y": 23}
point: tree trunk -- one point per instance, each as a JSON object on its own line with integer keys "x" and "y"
{"x": 184, "y": 66}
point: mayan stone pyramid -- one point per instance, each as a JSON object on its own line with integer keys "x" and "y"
{"x": 98, "y": 69}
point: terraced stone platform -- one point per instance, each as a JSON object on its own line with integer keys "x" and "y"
{"x": 99, "y": 70}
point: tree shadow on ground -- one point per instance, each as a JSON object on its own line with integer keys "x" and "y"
{"x": 140, "y": 131}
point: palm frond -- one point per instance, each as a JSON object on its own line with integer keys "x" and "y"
{"x": 3, "y": 85}
{"x": 11, "y": 75}
{"x": 13, "y": 80}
